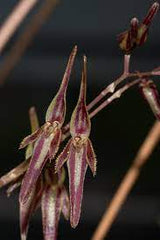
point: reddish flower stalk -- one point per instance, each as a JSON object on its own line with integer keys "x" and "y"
{"x": 48, "y": 137}
{"x": 151, "y": 95}
{"x": 78, "y": 152}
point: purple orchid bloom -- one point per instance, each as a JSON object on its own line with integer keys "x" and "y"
{"x": 151, "y": 95}
{"x": 78, "y": 152}
{"x": 47, "y": 138}
{"x": 48, "y": 192}
{"x": 137, "y": 34}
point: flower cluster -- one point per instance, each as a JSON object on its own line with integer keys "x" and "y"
{"x": 138, "y": 33}
{"x": 40, "y": 179}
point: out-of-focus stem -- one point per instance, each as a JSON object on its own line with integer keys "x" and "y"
{"x": 128, "y": 182}
{"x": 25, "y": 38}
{"x": 14, "y": 20}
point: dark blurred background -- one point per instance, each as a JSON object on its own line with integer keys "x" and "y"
{"x": 117, "y": 131}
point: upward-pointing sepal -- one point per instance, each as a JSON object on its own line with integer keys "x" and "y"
{"x": 80, "y": 122}
{"x": 57, "y": 108}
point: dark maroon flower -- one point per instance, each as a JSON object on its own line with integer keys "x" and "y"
{"x": 127, "y": 39}
{"x": 137, "y": 34}
{"x": 47, "y": 138}
{"x": 48, "y": 192}
{"x": 78, "y": 152}
{"x": 151, "y": 95}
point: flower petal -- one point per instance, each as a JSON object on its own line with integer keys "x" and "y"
{"x": 65, "y": 203}
{"x": 57, "y": 108}
{"x": 14, "y": 174}
{"x": 77, "y": 167}
{"x": 51, "y": 208}
{"x": 30, "y": 138}
{"x": 38, "y": 160}
{"x": 62, "y": 158}
{"x": 91, "y": 157}
{"x": 55, "y": 144}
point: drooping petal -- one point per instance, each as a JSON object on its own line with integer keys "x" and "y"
{"x": 65, "y": 203}
{"x": 151, "y": 95}
{"x": 30, "y": 138}
{"x": 77, "y": 167}
{"x": 38, "y": 160}
{"x": 14, "y": 174}
{"x": 51, "y": 208}
{"x": 62, "y": 158}
{"x": 57, "y": 108}
{"x": 55, "y": 144}
{"x": 27, "y": 209}
{"x": 91, "y": 157}
{"x": 80, "y": 121}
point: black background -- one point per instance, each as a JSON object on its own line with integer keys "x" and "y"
{"x": 117, "y": 131}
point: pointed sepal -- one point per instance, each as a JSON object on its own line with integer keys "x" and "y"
{"x": 77, "y": 167}
{"x": 62, "y": 158}
{"x": 57, "y": 108}
{"x": 91, "y": 157}
{"x": 51, "y": 208}
{"x": 80, "y": 122}
{"x": 37, "y": 162}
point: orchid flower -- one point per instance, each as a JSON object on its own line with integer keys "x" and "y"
{"x": 47, "y": 138}
{"x": 49, "y": 192}
{"x": 137, "y": 35}
{"x": 78, "y": 152}
{"x": 151, "y": 95}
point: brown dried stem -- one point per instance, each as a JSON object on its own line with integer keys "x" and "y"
{"x": 14, "y": 20}
{"x": 128, "y": 182}
{"x": 25, "y": 38}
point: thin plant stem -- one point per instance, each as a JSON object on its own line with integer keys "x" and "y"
{"x": 126, "y": 63}
{"x": 26, "y": 38}
{"x": 114, "y": 96}
{"x": 111, "y": 87}
{"x": 10, "y": 25}
{"x": 128, "y": 182}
